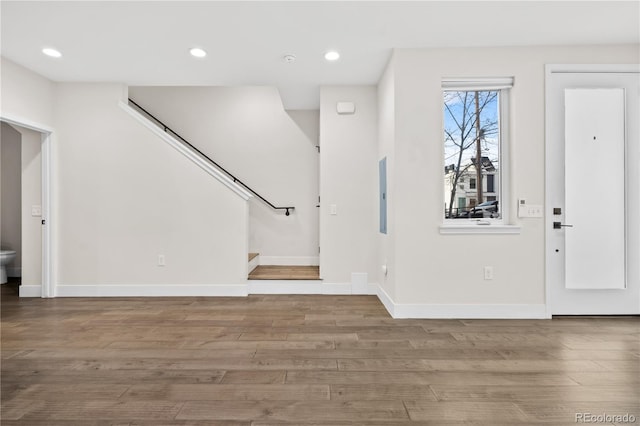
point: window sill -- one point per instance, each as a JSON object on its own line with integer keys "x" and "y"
{"x": 476, "y": 228}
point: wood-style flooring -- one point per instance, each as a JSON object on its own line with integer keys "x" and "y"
{"x": 303, "y": 360}
{"x": 272, "y": 272}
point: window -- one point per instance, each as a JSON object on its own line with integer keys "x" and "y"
{"x": 474, "y": 138}
{"x": 491, "y": 184}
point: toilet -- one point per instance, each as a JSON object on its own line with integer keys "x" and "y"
{"x": 6, "y": 257}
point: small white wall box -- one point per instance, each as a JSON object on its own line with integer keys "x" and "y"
{"x": 346, "y": 107}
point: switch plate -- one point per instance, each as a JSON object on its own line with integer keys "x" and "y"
{"x": 161, "y": 260}
{"x": 534, "y": 210}
{"x": 36, "y": 211}
{"x": 333, "y": 209}
{"x": 529, "y": 210}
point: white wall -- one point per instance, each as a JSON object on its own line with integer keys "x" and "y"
{"x": 386, "y": 139}
{"x": 125, "y": 197}
{"x": 31, "y": 196}
{"x": 11, "y": 196}
{"x": 348, "y": 180}
{"x": 434, "y": 269}
{"x": 247, "y": 131}
{"x": 25, "y": 94}
{"x": 308, "y": 120}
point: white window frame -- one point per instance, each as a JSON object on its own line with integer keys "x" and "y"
{"x": 503, "y": 224}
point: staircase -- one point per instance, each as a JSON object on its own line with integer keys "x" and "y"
{"x": 262, "y": 279}
{"x": 282, "y": 279}
{"x": 153, "y": 119}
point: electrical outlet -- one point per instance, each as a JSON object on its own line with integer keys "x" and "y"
{"x": 36, "y": 211}
{"x": 488, "y": 272}
{"x": 161, "y": 260}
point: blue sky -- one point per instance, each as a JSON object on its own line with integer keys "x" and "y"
{"x": 489, "y": 114}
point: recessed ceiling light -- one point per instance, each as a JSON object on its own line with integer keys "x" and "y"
{"x": 332, "y": 55}
{"x": 51, "y": 52}
{"x": 197, "y": 52}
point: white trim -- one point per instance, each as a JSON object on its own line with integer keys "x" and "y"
{"x": 190, "y": 154}
{"x": 30, "y": 291}
{"x": 594, "y": 307}
{"x": 48, "y": 285}
{"x": 591, "y": 68}
{"x": 461, "y": 311}
{"x": 337, "y": 288}
{"x": 479, "y": 229}
{"x": 47, "y": 289}
{"x": 26, "y": 123}
{"x": 307, "y": 287}
{"x": 286, "y": 287}
{"x": 506, "y": 311}
{"x": 150, "y": 290}
{"x": 387, "y": 301}
{"x": 503, "y": 86}
{"x": 290, "y": 260}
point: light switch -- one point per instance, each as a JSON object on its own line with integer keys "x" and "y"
{"x": 333, "y": 209}
{"x": 530, "y": 210}
{"x": 36, "y": 211}
{"x": 534, "y": 210}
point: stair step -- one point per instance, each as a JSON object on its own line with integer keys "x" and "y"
{"x": 254, "y": 261}
{"x": 286, "y": 272}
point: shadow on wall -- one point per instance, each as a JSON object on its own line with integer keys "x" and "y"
{"x": 10, "y": 215}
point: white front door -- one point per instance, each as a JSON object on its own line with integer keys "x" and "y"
{"x": 593, "y": 190}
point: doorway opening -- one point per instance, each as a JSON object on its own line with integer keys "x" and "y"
{"x": 26, "y": 205}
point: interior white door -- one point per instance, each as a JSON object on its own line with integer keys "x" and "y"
{"x": 593, "y": 191}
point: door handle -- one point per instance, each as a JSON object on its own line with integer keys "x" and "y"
{"x": 558, "y": 225}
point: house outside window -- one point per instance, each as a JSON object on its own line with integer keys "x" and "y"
{"x": 490, "y": 183}
{"x": 475, "y": 128}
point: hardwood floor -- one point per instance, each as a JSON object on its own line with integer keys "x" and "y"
{"x": 303, "y": 360}
{"x": 273, "y": 272}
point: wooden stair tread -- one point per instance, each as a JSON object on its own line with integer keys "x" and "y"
{"x": 253, "y": 256}
{"x": 286, "y": 272}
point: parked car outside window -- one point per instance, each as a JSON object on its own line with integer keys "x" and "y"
{"x": 486, "y": 209}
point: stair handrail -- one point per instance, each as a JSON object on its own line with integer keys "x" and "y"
{"x": 169, "y": 130}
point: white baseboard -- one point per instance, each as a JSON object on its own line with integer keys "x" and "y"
{"x": 462, "y": 311}
{"x": 30, "y": 290}
{"x": 305, "y": 287}
{"x": 285, "y": 286}
{"x": 149, "y": 290}
{"x": 14, "y": 271}
{"x": 290, "y": 260}
{"x": 386, "y": 300}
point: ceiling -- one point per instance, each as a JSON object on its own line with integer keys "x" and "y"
{"x": 147, "y": 43}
